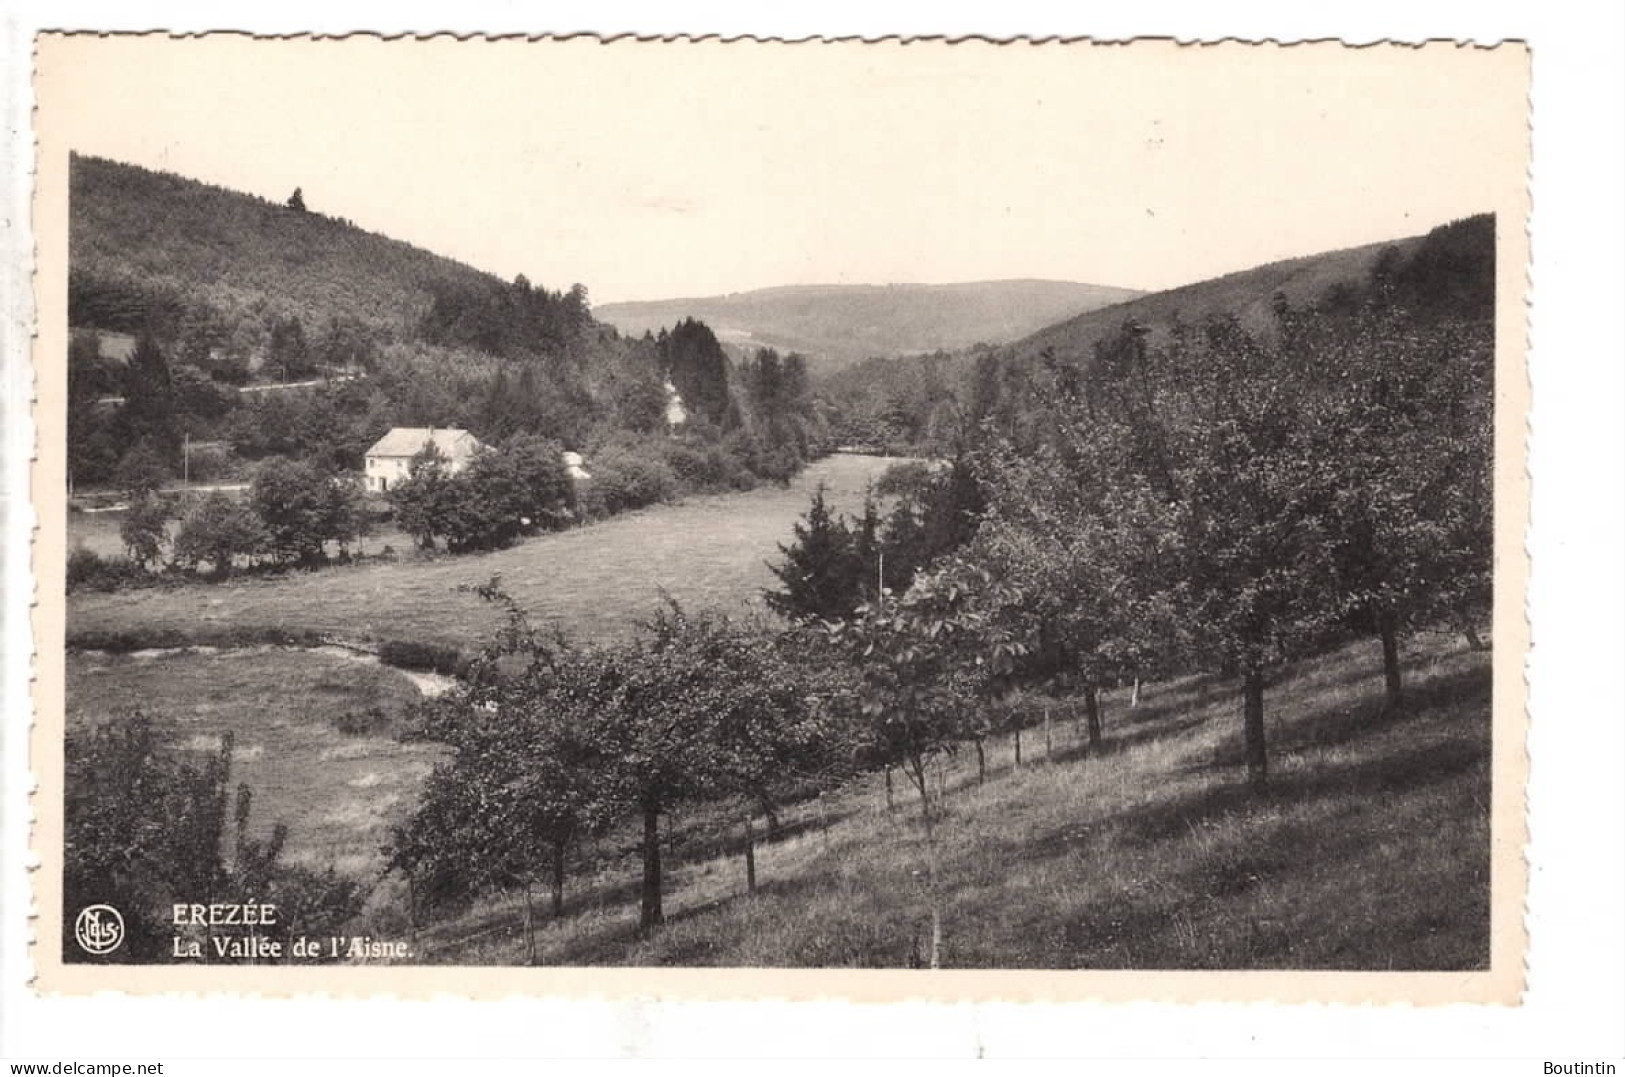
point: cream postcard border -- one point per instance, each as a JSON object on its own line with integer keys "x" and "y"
{"x": 1502, "y": 983}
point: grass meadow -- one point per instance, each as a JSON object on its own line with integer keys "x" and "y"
{"x": 1370, "y": 851}
{"x": 594, "y": 581}
{"x": 338, "y": 793}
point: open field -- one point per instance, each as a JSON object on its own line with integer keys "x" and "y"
{"x": 338, "y": 793}
{"x": 1370, "y": 851}
{"x": 593, "y": 581}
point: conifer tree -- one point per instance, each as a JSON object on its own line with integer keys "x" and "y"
{"x": 820, "y": 570}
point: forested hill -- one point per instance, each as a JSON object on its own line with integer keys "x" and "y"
{"x": 921, "y": 404}
{"x": 145, "y": 243}
{"x": 1248, "y": 296}
{"x": 838, "y": 324}
{"x": 213, "y": 298}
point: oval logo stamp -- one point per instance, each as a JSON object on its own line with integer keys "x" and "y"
{"x": 99, "y": 929}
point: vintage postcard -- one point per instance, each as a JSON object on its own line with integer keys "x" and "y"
{"x": 891, "y": 519}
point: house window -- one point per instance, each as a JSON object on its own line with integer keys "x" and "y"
{"x": 383, "y": 484}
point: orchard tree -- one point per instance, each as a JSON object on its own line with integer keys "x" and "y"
{"x": 1083, "y": 550}
{"x": 1221, "y": 474}
{"x": 1408, "y": 418}
{"x": 507, "y": 809}
{"x": 701, "y": 709}
{"x": 922, "y": 660}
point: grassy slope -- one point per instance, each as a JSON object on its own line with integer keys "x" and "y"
{"x": 338, "y": 793}
{"x": 1370, "y": 852}
{"x": 594, "y": 581}
{"x": 844, "y": 323}
{"x": 236, "y": 250}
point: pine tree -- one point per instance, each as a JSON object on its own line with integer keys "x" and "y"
{"x": 821, "y": 568}
{"x": 296, "y": 201}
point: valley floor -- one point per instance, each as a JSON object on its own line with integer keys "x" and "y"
{"x": 592, "y": 581}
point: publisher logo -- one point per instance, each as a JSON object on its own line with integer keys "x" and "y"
{"x": 99, "y": 929}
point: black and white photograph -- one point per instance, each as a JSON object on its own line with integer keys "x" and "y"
{"x": 870, "y": 507}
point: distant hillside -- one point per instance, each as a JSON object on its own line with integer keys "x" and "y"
{"x": 840, "y": 324}
{"x": 145, "y": 243}
{"x": 1248, "y": 295}
{"x": 917, "y": 404}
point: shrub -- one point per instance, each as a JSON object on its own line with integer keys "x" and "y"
{"x": 362, "y": 723}
{"x": 908, "y": 479}
{"x": 625, "y": 479}
{"x": 703, "y": 468}
{"x": 83, "y": 566}
{"x": 145, "y": 828}
{"x": 427, "y": 657}
{"x": 88, "y": 570}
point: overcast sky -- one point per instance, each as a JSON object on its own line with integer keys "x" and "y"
{"x": 650, "y": 171}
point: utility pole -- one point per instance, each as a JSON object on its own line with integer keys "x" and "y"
{"x": 186, "y": 462}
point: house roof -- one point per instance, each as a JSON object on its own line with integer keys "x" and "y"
{"x": 409, "y": 441}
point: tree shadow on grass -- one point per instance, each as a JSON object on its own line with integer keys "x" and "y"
{"x": 1132, "y": 930}
{"x": 1464, "y": 693}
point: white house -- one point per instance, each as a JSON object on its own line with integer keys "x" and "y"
{"x": 576, "y": 467}
{"x": 390, "y": 460}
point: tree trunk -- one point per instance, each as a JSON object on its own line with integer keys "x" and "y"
{"x": 558, "y": 880}
{"x": 771, "y": 810}
{"x": 1253, "y": 726}
{"x": 750, "y": 855}
{"x": 530, "y": 927}
{"x": 930, "y": 868}
{"x": 651, "y": 913}
{"x": 981, "y": 764}
{"x": 931, "y": 886}
{"x": 1049, "y": 743}
{"x": 1134, "y": 700}
{"x": 1018, "y": 745}
{"x": 1091, "y": 710}
{"x": 1392, "y": 685}
{"x": 891, "y": 801}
